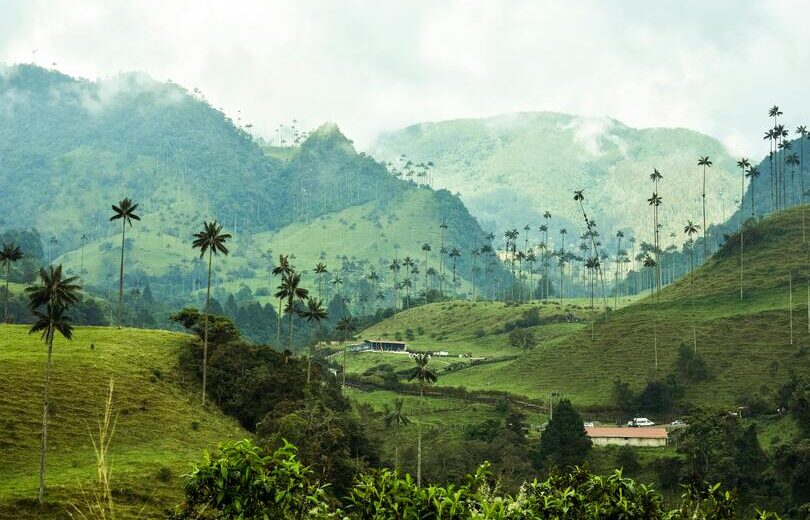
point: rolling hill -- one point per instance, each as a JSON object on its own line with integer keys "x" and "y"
{"x": 150, "y": 396}
{"x": 746, "y": 344}
{"x": 510, "y": 169}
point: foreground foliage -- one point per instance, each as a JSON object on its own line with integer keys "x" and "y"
{"x": 241, "y": 481}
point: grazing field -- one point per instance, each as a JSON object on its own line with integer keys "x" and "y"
{"x": 746, "y": 343}
{"x": 161, "y": 428}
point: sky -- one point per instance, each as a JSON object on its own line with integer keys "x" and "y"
{"x": 374, "y": 66}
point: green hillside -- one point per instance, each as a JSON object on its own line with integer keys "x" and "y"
{"x": 160, "y": 429}
{"x": 511, "y": 168}
{"x": 746, "y": 344}
{"x": 85, "y": 145}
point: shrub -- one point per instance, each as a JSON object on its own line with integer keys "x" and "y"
{"x": 164, "y": 474}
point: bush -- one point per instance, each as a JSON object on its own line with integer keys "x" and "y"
{"x": 164, "y": 474}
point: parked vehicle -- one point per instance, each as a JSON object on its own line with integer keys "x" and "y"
{"x": 640, "y": 421}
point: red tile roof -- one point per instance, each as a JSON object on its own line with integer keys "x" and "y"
{"x": 635, "y": 433}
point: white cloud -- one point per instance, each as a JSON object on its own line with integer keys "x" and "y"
{"x": 372, "y": 66}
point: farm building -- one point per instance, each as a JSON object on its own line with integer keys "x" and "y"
{"x": 385, "y": 345}
{"x": 626, "y": 436}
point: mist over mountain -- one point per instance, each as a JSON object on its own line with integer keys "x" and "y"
{"x": 69, "y": 148}
{"x": 512, "y": 168}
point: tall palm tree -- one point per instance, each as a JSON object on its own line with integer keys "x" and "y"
{"x": 290, "y": 290}
{"x": 691, "y": 229}
{"x": 769, "y": 135}
{"x": 656, "y": 201}
{"x": 590, "y": 225}
{"x": 774, "y": 112}
{"x": 793, "y": 161}
{"x": 9, "y": 254}
{"x": 426, "y": 249}
{"x": 210, "y": 240}
{"x": 320, "y": 270}
{"x": 314, "y": 311}
{"x": 422, "y": 373}
{"x": 56, "y": 294}
{"x": 655, "y": 177}
{"x": 395, "y": 267}
{"x": 592, "y": 264}
{"x": 442, "y": 252}
{"x": 705, "y": 162}
{"x": 283, "y": 268}
{"x": 125, "y": 212}
{"x": 649, "y": 263}
{"x": 81, "y": 262}
{"x": 395, "y": 416}
{"x": 753, "y": 174}
{"x": 619, "y": 236}
{"x": 454, "y": 254}
{"x": 802, "y": 132}
{"x": 743, "y": 164}
{"x": 345, "y": 325}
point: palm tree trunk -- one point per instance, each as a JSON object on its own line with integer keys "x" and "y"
{"x": 705, "y": 237}
{"x": 205, "y": 326}
{"x": 44, "y": 446}
{"x": 290, "y": 332}
{"x": 344, "y": 360}
{"x": 121, "y": 274}
{"x": 742, "y": 229}
{"x": 419, "y": 437}
{"x": 278, "y": 324}
{"x": 8, "y": 275}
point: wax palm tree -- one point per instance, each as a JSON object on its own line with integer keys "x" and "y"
{"x": 9, "y": 254}
{"x": 55, "y": 295}
{"x": 802, "y": 132}
{"x": 590, "y": 225}
{"x": 649, "y": 263}
{"x": 753, "y": 174}
{"x": 769, "y": 135}
{"x": 291, "y": 291}
{"x": 210, "y": 240}
{"x": 455, "y": 253}
{"x": 422, "y": 373}
{"x": 81, "y": 262}
{"x": 283, "y": 268}
{"x": 656, "y": 201}
{"x": 396, "y": 417}
{"x": 345, "y": 325}
{"x": 395, "y": 267}
{"x": 691, "y": 229}
{"x": 320, "y": 270}
{"x": 592, "y": 264}
{"x": 793, "y": 161}
{"x": 313, "y": 311}
{"x": 743, "y": 164}
{"x": 705, "y": 162}
{"x": 619, "y": 236}
{"x": 125, "y": 212}
{"x": 426, "y": 249}
{"x": 442, "y": 251}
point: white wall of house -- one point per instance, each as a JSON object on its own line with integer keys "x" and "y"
{"x": 629, "y": 441}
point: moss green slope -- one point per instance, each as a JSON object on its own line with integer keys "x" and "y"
{"x": 746, "y": 343}
{"x": 160, "y": 421}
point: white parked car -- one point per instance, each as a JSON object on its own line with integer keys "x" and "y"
{"x": 640, "y": 421}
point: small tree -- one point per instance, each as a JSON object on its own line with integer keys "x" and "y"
{"x": 564, "y": 443}
{"x": 522, "y": 338}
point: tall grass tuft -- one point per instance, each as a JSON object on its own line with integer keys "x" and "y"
{"x": 99, "y": 504}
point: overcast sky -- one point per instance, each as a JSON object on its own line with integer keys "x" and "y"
{"x": 371, "y": 66}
